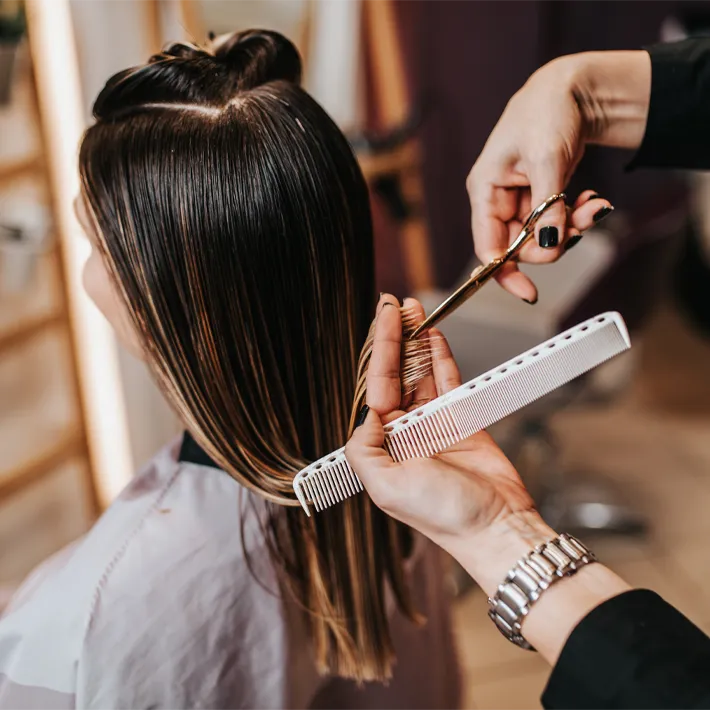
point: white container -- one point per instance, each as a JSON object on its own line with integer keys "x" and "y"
{"x": 24, "y": 228}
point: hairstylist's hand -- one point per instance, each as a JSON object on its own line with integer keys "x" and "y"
{"x": 598, "y": 97}
{"x": 469, "y": 495}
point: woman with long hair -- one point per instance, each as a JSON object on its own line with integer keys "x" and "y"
{"x": 233, "y": 252}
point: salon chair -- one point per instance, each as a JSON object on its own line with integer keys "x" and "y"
{"x": 623, "y": 265}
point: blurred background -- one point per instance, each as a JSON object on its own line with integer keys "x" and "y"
{"x": 621, "y": 457}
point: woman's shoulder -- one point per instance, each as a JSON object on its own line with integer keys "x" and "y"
{"x": 187, "y": 507}
{"x": 153, "y": 601}
{"x": 184, "y": 593}
{"x": 182, "y": 527}
{"x": 177, "y": 526}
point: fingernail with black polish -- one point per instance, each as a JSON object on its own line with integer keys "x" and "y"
{"x": 532, "y": 303}
{"x": 593, "y": 196}
{"x": 603, "y": 212}
{"x": 362, "y": 415}
{"x": 549, "y": 237}
{"x": 573, "y": 241}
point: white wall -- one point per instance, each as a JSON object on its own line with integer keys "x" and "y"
{"x": 284, "y": 16}
{"x": 333, "y": 73}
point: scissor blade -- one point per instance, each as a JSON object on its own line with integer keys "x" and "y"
{"x": 483, "y": 274}
{"x": 479, "y": 277}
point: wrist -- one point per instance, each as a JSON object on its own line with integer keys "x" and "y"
{"x": 612, "y": 91}
{"x": 564, "y": 605}
{"x": 488, "y": 554}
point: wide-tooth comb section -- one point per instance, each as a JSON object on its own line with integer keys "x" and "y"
{"x": 478, "y": 404}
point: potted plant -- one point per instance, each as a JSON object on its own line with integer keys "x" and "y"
{"x": 12, "y": 28}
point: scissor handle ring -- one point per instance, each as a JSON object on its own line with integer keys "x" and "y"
{"x": 541, "y": 209}
{"x": 530, "y": 222}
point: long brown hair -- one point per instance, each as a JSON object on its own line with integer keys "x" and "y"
{"x": 235, "y": 221}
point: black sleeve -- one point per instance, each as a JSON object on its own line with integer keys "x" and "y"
{"x": 633, "y": 651}
{"x": 678, "y": 128}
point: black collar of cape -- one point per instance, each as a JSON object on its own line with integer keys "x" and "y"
{"x": 192, "y": 452}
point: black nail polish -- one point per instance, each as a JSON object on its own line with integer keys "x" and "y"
{"x": 382, "y": 293}
{"x": 362, "y": 415}
{"x": 593, "y": 196}
{"x": 549, "y": 237}
{"x": 532, "y": 303}
{"x": 603, "y": 212}
{"x": 573, "y": 241}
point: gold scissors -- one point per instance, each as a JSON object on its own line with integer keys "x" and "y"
{"x": 485, "y": 272}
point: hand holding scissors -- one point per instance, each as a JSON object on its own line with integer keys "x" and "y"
{"x": 494, "y": 268}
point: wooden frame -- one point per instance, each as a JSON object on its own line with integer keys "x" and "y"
{"x": 72, "y": 443}
{"x": 153, "y": 24}
{"x": 393, "y": 104}
{"x": 19, "y": 168}
{"x": 190, "y": 19}
{"x": 95, "y": 380}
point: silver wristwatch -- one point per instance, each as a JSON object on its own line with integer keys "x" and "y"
{"x": 531, "y": 576}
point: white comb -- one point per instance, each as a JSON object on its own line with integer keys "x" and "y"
{"x": 472, "y": 407}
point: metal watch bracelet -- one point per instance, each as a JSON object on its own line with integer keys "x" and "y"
{"x": 531, "y": 576}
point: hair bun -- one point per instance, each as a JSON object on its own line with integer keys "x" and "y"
{"x": 256, "y": 57}
{"x": 186, "y": 74}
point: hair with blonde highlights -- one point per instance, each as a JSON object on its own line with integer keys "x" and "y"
{"x": 235, "y": 221}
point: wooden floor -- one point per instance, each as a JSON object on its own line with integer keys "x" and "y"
{"x": 655, "y": 442}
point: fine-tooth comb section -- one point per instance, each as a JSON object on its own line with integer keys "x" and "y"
{"x": 473, "y": 406}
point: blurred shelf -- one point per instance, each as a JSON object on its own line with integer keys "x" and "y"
{"x": 47, "y": 496}
{"x": 19, "y": 334}
{"x": 40, "y": 519}
{"x": 66, "y": 447}
{"x": 37, "y": 406}
{"x": 404, "y": 158}
{"x": 41, "y": 297}
{"x": 14, "y": 169}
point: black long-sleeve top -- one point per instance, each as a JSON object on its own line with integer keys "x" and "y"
{"x": 637, "y": 651}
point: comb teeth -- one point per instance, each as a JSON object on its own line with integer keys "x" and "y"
{"x": 472, "y": 407}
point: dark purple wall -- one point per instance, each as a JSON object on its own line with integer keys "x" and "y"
{"x": 466, "y": 59}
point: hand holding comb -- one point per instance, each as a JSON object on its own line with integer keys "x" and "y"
{"x": 472, "y": 407}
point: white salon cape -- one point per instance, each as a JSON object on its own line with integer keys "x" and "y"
{"x": 155, "y": 608}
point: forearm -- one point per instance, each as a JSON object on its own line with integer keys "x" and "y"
{"x": 612, "y": 91}
{"x": 488, "y": 556}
